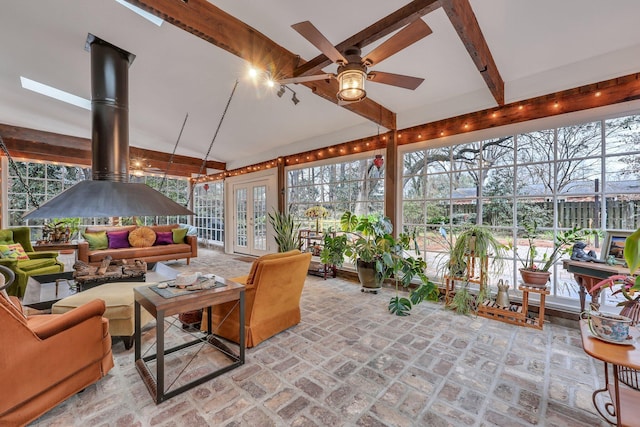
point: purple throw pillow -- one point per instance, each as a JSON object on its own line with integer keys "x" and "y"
{"x": 164, "y": 238}
{"x": 118, "y": 239}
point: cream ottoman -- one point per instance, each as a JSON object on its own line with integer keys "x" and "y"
{"x": 118, "y": 297}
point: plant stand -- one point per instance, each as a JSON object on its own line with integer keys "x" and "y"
{"x": 313, "y": 241}
{"x": 517, "y": 313}
{"x": 474, "y": 273}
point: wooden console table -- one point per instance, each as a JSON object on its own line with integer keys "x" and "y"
{"x": 623, "y": 409}
{"x": 587, "y": 274}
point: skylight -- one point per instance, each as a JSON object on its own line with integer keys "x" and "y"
{"x": 146, "y": 15}
{"x": 55, "y": 93}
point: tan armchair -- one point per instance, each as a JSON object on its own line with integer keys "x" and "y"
{"x": 272, "y": 298}
{"x": 45, "y": 359}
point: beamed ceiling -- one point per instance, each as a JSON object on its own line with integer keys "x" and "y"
{"x": 484, "y": 58}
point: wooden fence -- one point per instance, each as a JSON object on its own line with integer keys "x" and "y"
{"x": 620, "y": 214}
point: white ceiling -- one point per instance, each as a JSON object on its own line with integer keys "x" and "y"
{"x": 539, "y": 47}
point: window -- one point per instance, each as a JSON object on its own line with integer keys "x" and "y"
{"x": 585, "y": 174}
{"x": 46, "y": 180}
{"x": 177, "y": 189}
{"x": 208, "y": 205}
{"x": 355, "y": 185}
{"x": 43, "y": 181}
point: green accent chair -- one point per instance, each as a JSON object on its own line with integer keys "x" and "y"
{"x": 38, "y": 262}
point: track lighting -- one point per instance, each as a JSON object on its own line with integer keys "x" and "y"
{"x": 294, "y": 97}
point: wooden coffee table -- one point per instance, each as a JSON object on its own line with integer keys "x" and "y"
{"x": 161, "y": 307}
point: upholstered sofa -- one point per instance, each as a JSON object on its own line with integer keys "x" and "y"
{"x": 36, "y": 263}
{"x": 150, "y": 244}
{"x": 273, "y": 289}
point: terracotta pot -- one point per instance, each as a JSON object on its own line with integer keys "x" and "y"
{"x": 536, "y": 279}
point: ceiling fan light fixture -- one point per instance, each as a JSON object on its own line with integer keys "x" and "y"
{"x": 351, "y": 78}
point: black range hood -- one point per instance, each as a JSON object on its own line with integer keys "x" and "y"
{"x": 109, "y": 193}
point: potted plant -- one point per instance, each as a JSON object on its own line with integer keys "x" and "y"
{"x": 61, "y": 230}
{"x": 286, "y": 231}
{"x": 370, "y": 239}
{"x": 537, "y": 274}
{"x": 478, "y": 242}
{"x": 378, "y": 255}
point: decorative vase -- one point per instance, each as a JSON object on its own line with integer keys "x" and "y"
{"x": 536, "y": 279}
{"x": 502, "y": 298}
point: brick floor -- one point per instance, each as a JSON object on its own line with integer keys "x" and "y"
{"x": 350, "y": 363}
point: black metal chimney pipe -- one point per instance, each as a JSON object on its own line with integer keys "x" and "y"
{"x": 109, "y": 110}
{"x": 109, "y": 193}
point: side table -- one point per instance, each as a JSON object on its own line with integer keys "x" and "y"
{"x": 161, "y": 307}
{"x": 623, "y": 409}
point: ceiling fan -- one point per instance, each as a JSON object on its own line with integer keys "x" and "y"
{"x": 353, "y": 68}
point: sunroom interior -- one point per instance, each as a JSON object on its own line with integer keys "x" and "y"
{"x": 558, "y": 140}
{"x": 527, "y": 110}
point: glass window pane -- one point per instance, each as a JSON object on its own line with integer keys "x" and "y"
{"x": 579, "y": 141}
{"x": 535, "y": 146}
{"x": 497, "y": 212}
{"x": 498, "y": 182}
{"x": 622, "y": 135}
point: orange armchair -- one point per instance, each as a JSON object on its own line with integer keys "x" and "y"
{"x": 272, "y": 298}
{"x": 45, "y": 359}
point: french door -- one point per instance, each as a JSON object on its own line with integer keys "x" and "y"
{"x": 251, "y": 204}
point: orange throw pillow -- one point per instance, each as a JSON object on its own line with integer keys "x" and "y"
{"x": 142, "y": 237}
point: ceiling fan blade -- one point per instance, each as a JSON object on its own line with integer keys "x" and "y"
{"x": 303, "y": 79}
{"x": 307, "y": 30}
{"x": 399, "y": 80}
{"x": 407, "y": 36}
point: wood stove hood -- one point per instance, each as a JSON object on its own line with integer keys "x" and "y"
{"x": 109, "y": 193}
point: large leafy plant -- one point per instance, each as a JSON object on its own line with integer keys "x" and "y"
{"x": 370, "y": 239}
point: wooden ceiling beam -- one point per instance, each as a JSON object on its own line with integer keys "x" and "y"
{"x": 45, "y": 152}
{"x": 608, "y": 92}
{"x": 374, "y": 32}
{"x": 210, "y": 23}
{"x": 181, "y": 165}
{"x": 52, "y": 147}
{"x": 466, "y": 25}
